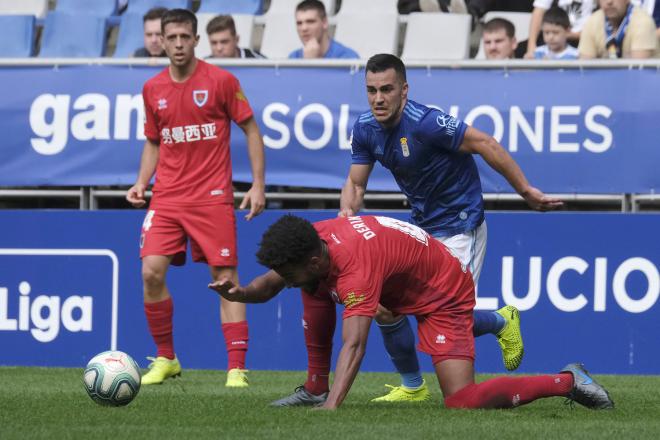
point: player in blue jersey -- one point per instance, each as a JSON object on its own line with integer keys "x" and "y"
{"x": 430, "y": 155}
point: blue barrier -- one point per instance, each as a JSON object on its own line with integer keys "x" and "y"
{"x": 70, "y": 286}
{"x": 571, "y": 130}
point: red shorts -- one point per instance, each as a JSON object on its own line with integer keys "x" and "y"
{"x": 447, "y": 334}
{"x": 211, "y": 229}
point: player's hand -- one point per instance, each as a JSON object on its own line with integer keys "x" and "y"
{"x": 256, "y": 198}
{"x": 539, "y": 201}
{"x": 312, "y": 49}
{"x": 345, "y": 212}
{"x": 135, "y": 195}
{"x": 324, "y": 407}
{"x": 227, "y": 289}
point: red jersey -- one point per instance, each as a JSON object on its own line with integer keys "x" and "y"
{"x": 376, "y": 259}
{"x": 191, "y": 123}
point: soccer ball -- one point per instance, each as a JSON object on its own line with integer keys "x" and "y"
{"x": 112, "y": 378}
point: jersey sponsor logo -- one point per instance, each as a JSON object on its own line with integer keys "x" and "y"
{"x": 360, "y": 227}
{"x": 352, "y": 300}
{"x": 162, "y": 104}
{"x": 448, "y": 122}
{"x": 217, "y": 192}
{"x": 404, "y": 147}
{"x": 188, "y": 133}
{"x": 200, "y": 97}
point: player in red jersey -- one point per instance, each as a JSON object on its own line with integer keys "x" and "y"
{"x": 365, "y": 261}
{"x": 189, "y": 107}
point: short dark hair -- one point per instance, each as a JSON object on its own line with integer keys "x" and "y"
{"x": 498, "y": 23}
{"x": 154, "y": 14}
{"x": 178, "y": 16}
{"x": 558, "y": 16}
{"x": 221, "y": 23}
{"x": 290, "y": 240}
{"x": 383, "y": 61}
{"x": 308, "y": 5}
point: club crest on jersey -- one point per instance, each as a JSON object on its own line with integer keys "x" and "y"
{"x": 200, "y": 97}
{"x": 404, "y": 147}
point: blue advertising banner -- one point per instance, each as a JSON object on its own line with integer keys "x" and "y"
{"x": 70, "y": 287}
{"x": 572, "y": 131}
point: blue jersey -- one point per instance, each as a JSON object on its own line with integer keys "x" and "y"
{"x": 335, "y": 50}
{"x": 442, "y": 184}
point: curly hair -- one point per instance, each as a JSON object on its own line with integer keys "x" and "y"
{"x": 290, "y": 240}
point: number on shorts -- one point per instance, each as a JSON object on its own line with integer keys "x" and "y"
{"x": 148, "y": 219}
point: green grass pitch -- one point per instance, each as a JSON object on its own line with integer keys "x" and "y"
{"x": 51, "y": 403}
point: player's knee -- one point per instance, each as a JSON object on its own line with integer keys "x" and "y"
{"x": 153, "y": 279}
{"x": 385, "y": 317}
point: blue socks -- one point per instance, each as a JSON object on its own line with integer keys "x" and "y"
{"x": 487, "y": 322}
{"x": 399, "y": 342}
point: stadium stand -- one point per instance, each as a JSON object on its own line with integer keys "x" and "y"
{"x": 520, "y": 21}
{"x": 280, "y": 37}
{"x": 102, "y": 8}
{"x": 289, "y": 6}
{"x": 38, "y": 8}
{"x": 68, "y": 35}
{"x": 130, "y": 36}
{"x": 382, "y": 30}
{"x": 142, "y": 6}
{"x": 361, "y": 6}
{"x": 244, "y": 28}
{"x": 19, "y": 31}
{"x": 232, "y": 7}
{"x": 437, "y": 36}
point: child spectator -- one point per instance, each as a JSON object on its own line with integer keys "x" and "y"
{"x": 556, "y": 28}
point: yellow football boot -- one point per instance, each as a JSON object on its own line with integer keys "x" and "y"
{"x": 236, "y": 378}
{"x": 510, "y": 338}
{"x": 405, "y": 394}
{"x": 161, "y": 368}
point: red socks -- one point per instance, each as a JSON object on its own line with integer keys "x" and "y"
{"x": 159, "y": 317}
{"x": 319, "y": 319}
{"x": 508, "y": 392}
{"x": 236, "y": 341}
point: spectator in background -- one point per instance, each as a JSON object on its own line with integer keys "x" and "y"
{"x": 578, "y": 12}
{"x": 556, "y": 28}
{"x": 652, "y": 7}
{"x": 499, "y": 38}
{"x": 312, "y": 26}
{"x": 153, "y": 42}
{"x": 223, "y": 39}
{"x": 618, "y": 30}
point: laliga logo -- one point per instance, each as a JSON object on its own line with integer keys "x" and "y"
{"x": 75, "y": 313}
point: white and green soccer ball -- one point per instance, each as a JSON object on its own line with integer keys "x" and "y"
{"x": 112, "y": 378}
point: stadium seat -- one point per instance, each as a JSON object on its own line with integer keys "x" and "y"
{"x": 142, "y": 6}
{"x": 38, "y": 8}
{"x": 102, "y": 8}
{"x": 131, "y": 35}
{"x": 371, "y": 6}
{"x": 280, "y": 37}
{"x": 289, "y": 6}
{"x": 19, "y": 34}
{"x": 437, "y": 36}
{"x": 381, "y": 29}
{"x": 520, "y": 21}
{"x": 244, "y": 29}
{"x": 216, "y": 7}
{"x": 67, "y": 35}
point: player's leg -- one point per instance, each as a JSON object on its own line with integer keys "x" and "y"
{"x": 399, "y": 341}
{"x": 212, "y": 232}
{"x": 470, "y": 249}
{"x": 234, "y": 329}
{"x": 319, "y": 320}
{"x": 162, "y": 243}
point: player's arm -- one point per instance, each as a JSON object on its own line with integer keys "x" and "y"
{"x": 355, "y": 331}
{"x": 260, "y": 290}
{"x": 256, "y": 196}
{"x": 478, "y": 142}
{"x": 148, "y": 163}
{"x": 352, "y": 194}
